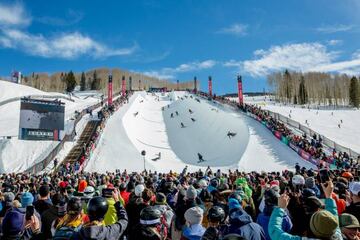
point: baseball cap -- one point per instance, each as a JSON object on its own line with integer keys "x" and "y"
{"x": 348, "y": 221}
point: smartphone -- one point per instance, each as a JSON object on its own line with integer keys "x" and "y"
{"x": 107, "y": 192}
{"x": 324, "y": 175}
{"x": 29, "y": 212}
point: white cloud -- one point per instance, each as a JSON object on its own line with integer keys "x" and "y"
{"x": 335, "y": 42}
{"x": 236, "y": 29}
{"x": 13, "y": 15}
{"x": 335, "y": 28}
{"x": 72, "y": 17}
{"x": 303, "y": 57}
{"x": 170, "y": 73}
{"x": 63, "y": 45}
{"x": 68, "y": 46}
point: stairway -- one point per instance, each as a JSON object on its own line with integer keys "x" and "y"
{"x": 75, "y": 153}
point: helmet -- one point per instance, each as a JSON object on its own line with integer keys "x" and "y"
{"x": 74, "y": 206}
{"x": 97, "y": 208}
{"x": 214, "y": 182}
{"x": 308, "y": 192}
{"x": 236, "y": 195}
{"x": 89, "y": 191}
{"x": 216, "y": 214}
{"x": 150, "y": 216}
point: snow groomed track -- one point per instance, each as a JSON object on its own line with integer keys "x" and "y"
{"x": 146, "y": 124}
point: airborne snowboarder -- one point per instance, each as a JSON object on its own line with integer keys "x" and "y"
{"x": 193, "y": 119}
{"x": 231, "y": 134}
{"x": 158, "y": 156}
{"x": 182, "y": 125}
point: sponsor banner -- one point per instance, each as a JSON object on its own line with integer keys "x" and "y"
{"x": 277, "y": 134}
{"x": 285, "y": 140}
{"x": 293, "y": 147}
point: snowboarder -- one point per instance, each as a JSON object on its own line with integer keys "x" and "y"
{"x": 172, "y": 115}
{"x": 190, "y": 111}
{"x": 176, "y": 112}
{"x": 341, "y": 121}
{"x": 231, "y": 134}
{"x": 158, "y": 156}
{"x": 193, "y": 119}
{"x": 135, "y": 114}
{"x": 182, "y": 125}
{"x": 339, "y": 125}
{"x": 201, "y": 159}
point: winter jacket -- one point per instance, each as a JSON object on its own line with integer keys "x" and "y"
{"x": 110, "y": 216}
{"x": 242, "y": 224}
{"x": 354, "y": 209}
{"x": 101, "y": 232}
{"x": 42, "y": 205}
{"x": 47, "y": 219}
{"x": 263, "y": 221}
{"x": 125, "y": 195}
{"x": 276, "y": 219}
{"x": 193, "y": 232}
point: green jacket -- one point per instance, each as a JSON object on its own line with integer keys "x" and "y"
{"x": 110, "y": 216}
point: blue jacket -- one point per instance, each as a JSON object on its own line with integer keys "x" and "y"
{"x": 193, "y": 232}
{"x": 263, "y": 221}
{"x": 242, "y": 224}
{"x": 276, "y": 219}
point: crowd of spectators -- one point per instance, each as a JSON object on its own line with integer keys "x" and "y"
{"x": 317, "y": 204}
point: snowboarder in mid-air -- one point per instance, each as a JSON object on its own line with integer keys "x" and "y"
{"x": 172, "y": 115}
{"x": 201, "y": 159}
{"x": 182, "y": 125}
{"x": 190, "y": 111}
{"x": 176, "y": 112}
{"x": 158, "y": 156}
{"x": 231, "y": 134}
{"x": 193, "y": 119}
{"x": 135, "y": 114}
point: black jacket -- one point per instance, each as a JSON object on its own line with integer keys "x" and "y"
{"x": 109, "y": 232}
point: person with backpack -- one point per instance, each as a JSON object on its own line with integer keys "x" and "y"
{"x": 95, "y": 229}
{"x": 71, "y": 222}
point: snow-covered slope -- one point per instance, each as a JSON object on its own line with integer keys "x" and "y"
{"x": 322, "y": 121}
{"x": 145, "y": 126}
{"x": 18, "y": 155}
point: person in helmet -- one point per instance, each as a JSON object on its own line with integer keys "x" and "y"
{"x": 150, "y": 226}
{"x": 216, "y": 218}
{"x": 95, "y": 229}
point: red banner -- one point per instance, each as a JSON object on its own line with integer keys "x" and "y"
{"x": 123, "y": 86}
{"x": 277, "y": 134}
{"x": 240, "y": 91}
{"x": 110, "y": 94}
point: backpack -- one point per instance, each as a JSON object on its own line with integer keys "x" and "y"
{"x": 65, "y": 232}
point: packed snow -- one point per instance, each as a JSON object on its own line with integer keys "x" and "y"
{"x": 146, "y": 124}
{"x": 18, "y": 155}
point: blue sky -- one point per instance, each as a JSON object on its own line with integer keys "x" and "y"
{"x": 182, "y": 39}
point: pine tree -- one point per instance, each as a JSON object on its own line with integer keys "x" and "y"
{"x": 287, "y": 85}
{"x": 83, "y": 82}
{"x": 354, "y": 92}
{"x": 94, "y": 84}
{"x": 70, "y": 82}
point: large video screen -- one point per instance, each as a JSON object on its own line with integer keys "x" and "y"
{"x": 40, "y": 114}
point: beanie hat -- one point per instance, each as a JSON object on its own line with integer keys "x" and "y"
{"x": 298, "y": 180}
{"x": 82, "y": 186}
{"x": 139, "y": 189}
{"x": 9, "y": 198}
{"x": 194, "y": 215}
{"x": 13, "y": 223}
{"x": 323, "y": 224}
{"x": 271, "y": 197}
{"x": 233, "y": 204}
{"x": 160, "y": 198}
{"x": 26, "y": 199}
{"x": 310, "y": 182}
{"x": 191, "y": 193}
{"x": 313, "y": 204}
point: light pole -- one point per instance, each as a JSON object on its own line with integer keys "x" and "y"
{"x": 143, "y": 153}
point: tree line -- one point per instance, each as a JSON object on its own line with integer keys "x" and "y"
{"x": 315, "y": 88}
